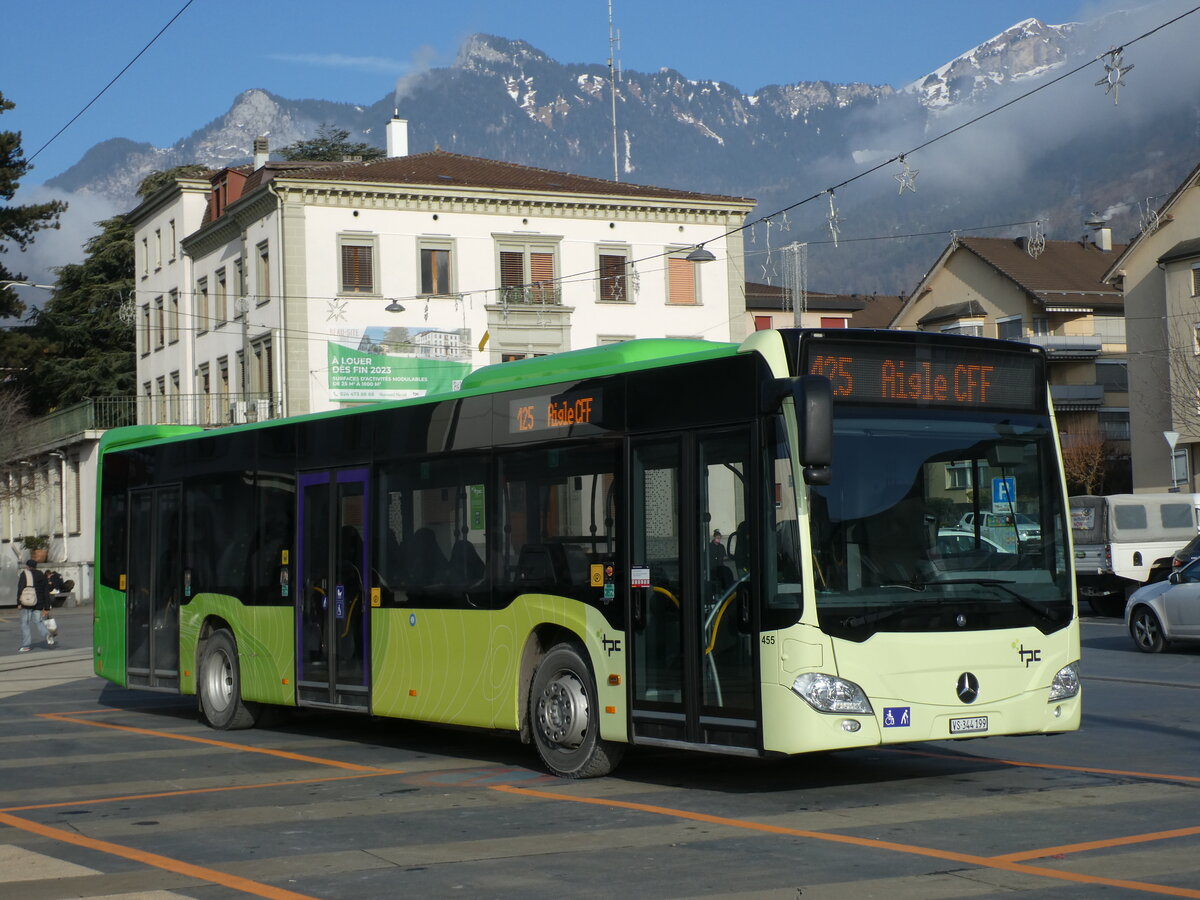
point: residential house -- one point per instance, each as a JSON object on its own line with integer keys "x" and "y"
{"x": 1048, "y": 293}
{"x": 287, "y": 288}
{"x": 771, "y": 306}
{"x": 1160, "y": 274}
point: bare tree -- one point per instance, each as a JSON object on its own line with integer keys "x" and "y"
{"x": 1086, "y": 455}
{"x": 13, "y": 416}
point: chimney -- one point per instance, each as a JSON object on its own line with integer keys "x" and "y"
{"x": 1102, "y": 234}
{"x": 261, "y": 152}
{"x": 397, "y": 135}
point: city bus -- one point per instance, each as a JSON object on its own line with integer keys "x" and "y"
{"x": 733, "y": 548}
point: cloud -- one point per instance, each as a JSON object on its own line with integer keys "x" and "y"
{"x": 343, "y": 61}
{"x": 53, "y": 248}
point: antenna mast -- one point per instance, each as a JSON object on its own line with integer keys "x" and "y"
{"x": 614, "y": 43}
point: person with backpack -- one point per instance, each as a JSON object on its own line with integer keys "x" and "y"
{"x": 33, "y": 599}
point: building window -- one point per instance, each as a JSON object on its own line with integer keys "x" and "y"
{"x": 239, "y": 281}
{"x": 1040, "y": 326}
{"x": 763, "y": 323}
{"x": 160, "y": 407}
{"x": 173, "y": 316}
{"x": 1179, "y": 467}
{"x": 1114, "y": 424}
{"x": 220, "y": 298}
{"x": 437, "y": 267}
{"x": 1113, "y": 374}
{"x": 173, "y": 398}
{"x": 262, "y": 375}
{"x": 1196, "y": 281}
{"x": 145, "y": 329}
{"x": 1012, "y": 329}
{"x": 263, "y": 275}
{"x": 356, "y": 258}
{"x": 527, "y": 272}
{"x": 1110, "y": 329}
{"x": 173, "y": 238}
{"x": 157, "y": 249}
{"x": 959, "y": 476}
{"x": 223, "y": 375}
{"x": 833, "y": 322}
{"x": 202, "y": 304}
{"x": 160, "y": 325}
{"x": 204, "y": 382}
{"x": 613, "y": 265}
{"x": 145, "y": 257}
{"x": 681, "y": 279}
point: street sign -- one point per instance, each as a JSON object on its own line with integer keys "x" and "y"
{"x": 1004, "y": 493}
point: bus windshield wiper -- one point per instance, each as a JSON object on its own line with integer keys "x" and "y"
{"x": 871, "y": 618}
{"x": 1004, "y": 586}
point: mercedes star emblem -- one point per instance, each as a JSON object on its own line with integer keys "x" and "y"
{"x": 967, "y": 687}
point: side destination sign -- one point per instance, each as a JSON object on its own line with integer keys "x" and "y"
{"x": 549, "y": 412}
{"x": 924, "y": 374}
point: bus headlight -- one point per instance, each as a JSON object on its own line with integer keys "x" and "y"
{"x": 1065, "y": 683}
{"x": 828, "y": 694}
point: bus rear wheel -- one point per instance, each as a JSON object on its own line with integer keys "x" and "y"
{"x": 220, "y": 685}
{"x": 564, "y": 716}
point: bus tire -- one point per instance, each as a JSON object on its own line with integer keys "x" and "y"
{"x": 564, "y": 716}
{"x": 220, "y": 685}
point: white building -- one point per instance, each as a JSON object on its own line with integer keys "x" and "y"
{"x": 284, "y": 288}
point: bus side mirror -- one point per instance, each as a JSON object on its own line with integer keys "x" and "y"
{"x": 813, "y": 395}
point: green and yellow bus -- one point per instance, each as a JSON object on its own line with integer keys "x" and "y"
{"x": 751, "y": 549}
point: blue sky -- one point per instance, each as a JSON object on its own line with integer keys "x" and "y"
{"x": 59, "y": 53}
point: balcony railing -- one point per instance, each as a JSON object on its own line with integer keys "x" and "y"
{"x": 543, "y": 293}
{"x": 1077, "y": 396}
{"x": 1068, "y": 345}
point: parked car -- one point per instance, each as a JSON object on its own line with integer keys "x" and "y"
{"x": 1003, "y": 528}
{"x": 1166, "y": 611}
{"x": 951, "y": 541}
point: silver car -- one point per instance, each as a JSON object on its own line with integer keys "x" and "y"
{"x": 1166, "y": 611}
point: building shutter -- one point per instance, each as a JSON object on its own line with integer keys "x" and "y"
{"x": 681, "y": 280}
{"x": 357, "y": 273}
{"x": 612, "y": 277}
{"x": 541, "y": 270}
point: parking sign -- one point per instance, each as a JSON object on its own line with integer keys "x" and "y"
{"x": 1004, "y": 493}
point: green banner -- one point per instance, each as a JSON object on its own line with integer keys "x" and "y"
{"x": 358, "y": 375}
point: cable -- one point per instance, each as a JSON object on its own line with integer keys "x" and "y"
{"x": 182, "y": 9}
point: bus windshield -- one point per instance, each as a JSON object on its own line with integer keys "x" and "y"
{"x": 938, "y": 522}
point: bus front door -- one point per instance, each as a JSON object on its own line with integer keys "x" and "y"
{"x": 692, "y": 622}
{"x": 153, "y": 588}
{"x": 332, "y": 622}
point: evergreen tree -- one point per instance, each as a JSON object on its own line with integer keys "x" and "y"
{"x": 87, "y": 349}
{"x": 18, "y": 224}
{"x": 331, "y": 144}
{"x": 156, "y": 180}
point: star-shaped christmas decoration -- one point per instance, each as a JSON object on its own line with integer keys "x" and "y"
{"x": 834, "y": 219}
{"x": 1114, "y": 73}
{"x": 336, "y": 311}
{"x": 907, "y": 176}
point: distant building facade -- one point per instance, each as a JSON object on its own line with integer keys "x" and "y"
{"x": 284, "y": 288}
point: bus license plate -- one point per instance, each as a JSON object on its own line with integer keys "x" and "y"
{"x": 968, "y": 726}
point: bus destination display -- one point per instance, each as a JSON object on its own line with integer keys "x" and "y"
{"x": 923, "y": 375}
{"x": 549, "y": 412}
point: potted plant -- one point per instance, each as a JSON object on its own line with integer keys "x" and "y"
{"x": 38, "y": 546}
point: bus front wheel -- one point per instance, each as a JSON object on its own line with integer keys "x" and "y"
{"x": 220, "y": 685}
{"x": 564, "y": 716}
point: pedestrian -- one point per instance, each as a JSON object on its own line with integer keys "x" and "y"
{"x": 33, "y": 598}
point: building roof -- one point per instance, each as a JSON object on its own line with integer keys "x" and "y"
{"x": 1064, "y": 273}
{"x": 1182, "y": 250}
{"x": 968, "y": 309}
{"x": 449, "y": 170}
{"x": 868, "y": 310}
{"x": 1161, "y": 216}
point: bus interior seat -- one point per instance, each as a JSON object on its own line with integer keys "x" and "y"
{"x": 553, "y": 565}
{"x": 466, "y": 567}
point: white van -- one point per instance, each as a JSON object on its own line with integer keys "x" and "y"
{"x": 1119, "y": 538}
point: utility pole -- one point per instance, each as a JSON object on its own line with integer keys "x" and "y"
{"x": 614, "y": 43}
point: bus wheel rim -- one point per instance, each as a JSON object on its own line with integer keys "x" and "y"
{"x": 220, "y": 680}
{"x": 563, "y": 711}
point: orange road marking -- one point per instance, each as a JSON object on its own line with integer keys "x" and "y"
{"x": 245, "y": 885}
{"x": 212, "y": 790}
{"x": 282, "y": 754}
{"x": 1102, "y": 844}
{"x": 912, "y": 849}
{"x": 1155, "y": 776}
